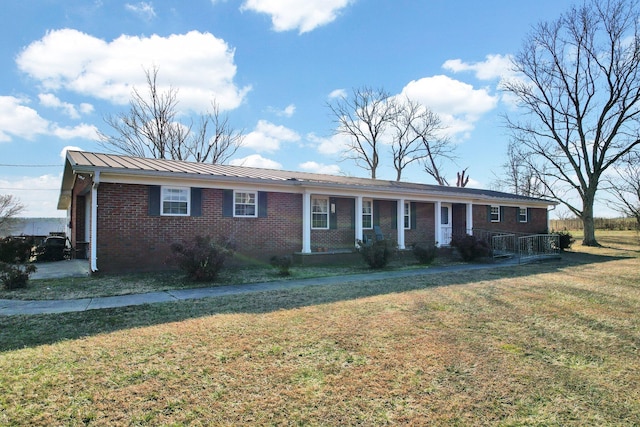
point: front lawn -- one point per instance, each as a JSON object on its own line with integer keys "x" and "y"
{"x": 552, "y": 343}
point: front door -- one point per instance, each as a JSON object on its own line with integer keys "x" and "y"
{"x": 445, "y": 224}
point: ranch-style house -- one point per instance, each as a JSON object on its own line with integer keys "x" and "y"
{"x": 124, "y": 212}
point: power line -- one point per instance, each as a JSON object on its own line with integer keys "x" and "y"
{"x": 29, "y": 189}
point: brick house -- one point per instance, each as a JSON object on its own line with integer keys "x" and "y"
{"x": 124, "y": 212}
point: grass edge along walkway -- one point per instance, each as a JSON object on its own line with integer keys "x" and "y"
{"x": 30, "y": 307}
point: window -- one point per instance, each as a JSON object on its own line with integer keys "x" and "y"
{"x": 367, "y": 214}
{"x": 407, "y": 215}
{"x": 175, "y": 201}
{"x": 444, "y": 215}
{"x": 245, "y": 204}
{"x": 495, "y": 214}
{"x": 320, "y": 213}
{"x": 522, "y": 215}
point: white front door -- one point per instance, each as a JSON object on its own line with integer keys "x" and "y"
{"x": 445, "y": 223}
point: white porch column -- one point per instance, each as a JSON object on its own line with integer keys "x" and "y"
{"x": 400, "y": 222}
{"x": 438, "y": 226}
{"x": 470, "y": 219}
{"x": 306, "y": 223}
{"x": 94, "y": 222}
{"x": 358, "y": 217}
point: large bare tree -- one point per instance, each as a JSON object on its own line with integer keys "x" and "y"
{"x": 10, "y": 207}
{"x": 415, "y": 138}
{"x": 363, "y": 118}
{"x": 151, "y": 128}
{"x": 519, "y": 175}
{"x": 580, "y": 88}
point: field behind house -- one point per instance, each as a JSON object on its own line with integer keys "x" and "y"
{"x": 554, "y": 343}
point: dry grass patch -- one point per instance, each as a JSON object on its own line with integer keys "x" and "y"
{"x": 546, "y": 344}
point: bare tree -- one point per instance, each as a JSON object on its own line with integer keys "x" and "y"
{"x": 580, "y": 92}
{"x": 363, "y": 118}
{"x": 414, "y": 133}
{"x": 625, "y": 186}
{"x": 519, "y": 175}
{"x": 10, "y": 207}
{"x": 462, "y": 180}
{"x": 436, "y": 151}
{"x": 150, "y": 128}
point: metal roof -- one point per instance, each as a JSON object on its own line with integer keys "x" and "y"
{"x": 82, "y": 161}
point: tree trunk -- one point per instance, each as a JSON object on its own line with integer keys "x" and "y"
{"x": 587, "y": 221}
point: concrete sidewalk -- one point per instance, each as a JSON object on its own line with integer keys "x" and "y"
{"x": 17, "y": 307}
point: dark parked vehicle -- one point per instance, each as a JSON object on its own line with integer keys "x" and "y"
{"x": 53, "y": 248}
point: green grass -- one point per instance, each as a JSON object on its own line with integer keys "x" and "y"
{"x": 553, "y": 343}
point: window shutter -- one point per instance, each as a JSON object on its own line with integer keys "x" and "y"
{"x": 414, "y": 213}
{"x": 353, "y": 215}
{"x": 227, "y": 203}
{"x": 333, "y": 216}
{"x": 529, "y": 214}
{"x": 501, "y": 213}
{"x": 394, "y": 216}
{"x": 488, "y": 213}
{"x": 262, "y": 204}
{"x": 154, "y": 200}
{"x": 517, "y": 215}
{"x": 196, "y": 201}
{"x": 376, "y": 212}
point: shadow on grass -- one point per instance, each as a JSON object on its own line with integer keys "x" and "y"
{"x": 32, "y": 330}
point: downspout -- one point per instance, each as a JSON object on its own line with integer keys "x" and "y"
{"x": 94, "y": 221}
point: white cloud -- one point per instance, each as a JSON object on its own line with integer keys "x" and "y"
{"x": 315, "y": 167}
{"x": 494, "y": 67}
{"x": 256, "y": 161}
{"x": 52, "y": 101}
{"x": 16, "y": 119}
{"x": 304, "y": 16}
{"x": 19, "y": 120}
{"x": 143, "y": 9}
{"x": 39, "y": 194}
{"x": 458, "y": 104}
{"x": 288, "y": 111}
{"x": 338, "y": 93}
{"x": 267, "y": 137}
{"x": 199, "y": 65}
{"x": 329, "y": 146}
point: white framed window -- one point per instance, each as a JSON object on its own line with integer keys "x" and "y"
{"x": 320, "y": 212}
{"x": 407, "y": 215}
{"x": 175, "y": 201}
{"x": 495, "y": 214}
{"x": 367, "y": 214}
{"x": 522, "y": 215}
{"x": 245, "y": 204}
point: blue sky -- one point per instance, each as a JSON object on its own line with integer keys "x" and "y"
{"x": 271, "y": 65}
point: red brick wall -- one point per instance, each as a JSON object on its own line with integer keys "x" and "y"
{"x": 343, "y": 235}
{"x": 129, "y": 239}
{"x": 536, "y": 223}
{"x": 424, "y": 231}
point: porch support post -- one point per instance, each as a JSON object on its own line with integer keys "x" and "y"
{"x": 400, "y": 221}
{"x": 470, "y": 219}
{"x": 306, "y": 222}
{"x": 94, "y": 222}
{"x": 358, "y": 220}
{"x": 438, "y": 220}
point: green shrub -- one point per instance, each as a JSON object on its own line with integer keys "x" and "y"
{"x": 376, "y": 254}
{"x": 15, "y": 276}
{"x": 424, "y": 253}
{"x": 470, "y": 248}
{"x": 202, "y": 259}
{"x": 565, "y": 239}
{"x": 282, "y": 263}
{"x": 15, "y": 249}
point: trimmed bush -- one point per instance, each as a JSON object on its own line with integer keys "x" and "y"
{"x": 424, "y": 253}
{"x": 15, "y": 276}
{"x": 376, "y": 254}
{"x": 470, "y": 248}
{"x": 202, "y": 259}
{"x": 15, "y": 249}
{"x": 565, "y": 239}
{"x": 282, "y": 263}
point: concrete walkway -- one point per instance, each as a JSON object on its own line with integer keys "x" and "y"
{"x": 17, "y": 307}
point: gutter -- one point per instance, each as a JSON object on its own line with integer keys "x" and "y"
{"x": 94, "y": 221}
